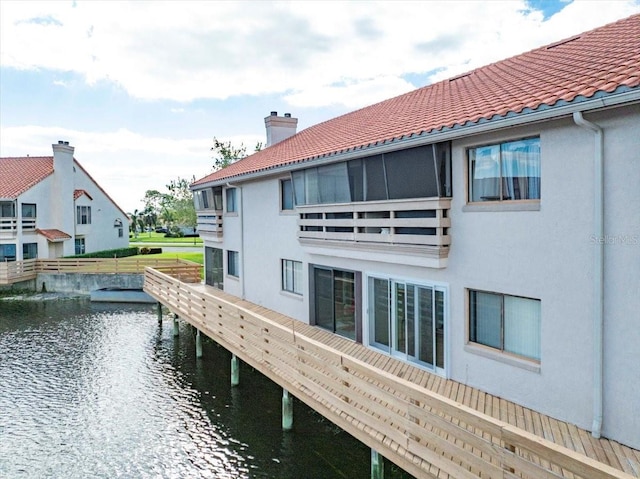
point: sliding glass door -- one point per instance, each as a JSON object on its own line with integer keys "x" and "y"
{"x": 407, "y": 321}
{"x": 335, "y": 301}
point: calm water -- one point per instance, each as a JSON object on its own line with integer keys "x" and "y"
{"x": 100, "y": 391}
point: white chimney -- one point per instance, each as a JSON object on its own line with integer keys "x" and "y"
{"x": 62, "y": 204}
{"x": 279, "y": 127}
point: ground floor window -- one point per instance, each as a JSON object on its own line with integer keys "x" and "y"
{"x": 407, "y": 320}
{"x": 29, "y": 250}
{"x": 233, "y": 263}
{"x": 214, "y": 269}
{"x": 7, "y": 252}
{"x": 292, "y": 276}
{"x": 504, "y": 322}
{"x": 335, "y": 294}
{"x": 79, "y": 245}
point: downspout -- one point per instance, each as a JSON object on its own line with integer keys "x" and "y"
{"x": 229, "y": 185}
{"x": 598, "y": 276}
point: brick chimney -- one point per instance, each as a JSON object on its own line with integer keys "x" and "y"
{"x": 279, "y": 127}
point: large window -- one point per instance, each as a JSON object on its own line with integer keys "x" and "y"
{"x": 421, "y": 172}
{"x": 334, "y": 301}
{"x": 286, "y": 195}
{"x": 208, "y": 198}
{"x": 7, "y": 252}
{"x": 505, "y": 172}
{"x": 213, "y": 267}
{"x": 407, "y": 320}
{"x": 79, "y": 246}
{"x": 232, "y": 205}
{"x": 83, "y": 215}
{"x": 233, "y": 263}
{"x": 29, "y": 250}
{"x": 292, "y": 276}
{"x": 507, "y": 323}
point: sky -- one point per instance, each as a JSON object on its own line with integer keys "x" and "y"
{"x": 141, "y": 88}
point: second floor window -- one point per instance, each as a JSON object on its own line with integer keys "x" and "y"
{"x": 505, "y": 171}
{"x": 232, "y": 206}
{"x": 286, "y": 194}
{"x": 83, "y": 215}
{"x": 28, "y": 210}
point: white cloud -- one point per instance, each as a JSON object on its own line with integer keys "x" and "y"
{"x": 316, "y": 53}
{"x": 124, "y": 163}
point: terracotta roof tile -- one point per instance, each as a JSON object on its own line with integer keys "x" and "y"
{"x": 17, "y": 175}
{"x": 600, "y": 60}
{"x": 54, "y": 235}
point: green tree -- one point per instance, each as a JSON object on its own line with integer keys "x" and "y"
{"x": 225, "y": 153}
{"x": 182, "y": 207}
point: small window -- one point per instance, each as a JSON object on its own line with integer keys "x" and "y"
{"x": 232, "y": 206}
{"x": 233, "y": 263}
{"x": 28, "y": 210}
{"x": 118, "y": 224}
{"x": 292, "y": 276}
{"x": 507, "y": 323}
{"x": 505, "y": 172}
{"x": 286, "y": 195}
{"x": 29, "y": 250}
{"x": 79, "y": 246}
{"x": 83, "y": 215}
{"x": 7, "y": 252}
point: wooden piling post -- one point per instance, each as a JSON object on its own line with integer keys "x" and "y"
{"x": 235, "y": 370}
{"x": 176, "y": 325}
{"x": 198, "y": 344}
{"x": 287, "y": 411}
{"x": 377, "y": 465}
{"x": 159, "y": 313}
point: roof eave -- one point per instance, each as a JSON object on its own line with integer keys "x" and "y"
{"x": 601, "y": 100}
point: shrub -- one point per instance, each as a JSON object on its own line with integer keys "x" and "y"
{"x": 109, "y": 253}
{"x": 144, "y": 250}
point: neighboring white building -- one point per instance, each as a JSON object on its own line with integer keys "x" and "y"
{"x": 486, "y": 228}
{"x": 51, "y": 207}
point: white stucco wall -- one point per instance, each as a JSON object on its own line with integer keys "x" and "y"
{"x": 545, "y": 254}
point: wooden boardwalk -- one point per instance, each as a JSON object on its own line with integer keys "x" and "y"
{"x": 426, "y": 424}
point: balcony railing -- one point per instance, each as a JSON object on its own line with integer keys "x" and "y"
{"x": 9, "y": 225}
{"x": 210, "y": 224}
{"x": 421, "y": 224}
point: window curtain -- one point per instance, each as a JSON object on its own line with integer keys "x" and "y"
{"x": 485, "y": 167}
{"x": 522, "y": 326}
{"x": 521, "y": 169}
{"x": 486, "y": 319}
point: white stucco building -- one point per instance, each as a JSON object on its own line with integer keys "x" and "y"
{"x": 51, "y": 207}
{"x": 486, "y": 228}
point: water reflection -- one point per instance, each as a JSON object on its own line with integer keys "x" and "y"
{"x": 95, "y": 390}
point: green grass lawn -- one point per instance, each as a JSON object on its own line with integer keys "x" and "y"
{"x": 195, "y": 257}
{"x": 159, "y": 238}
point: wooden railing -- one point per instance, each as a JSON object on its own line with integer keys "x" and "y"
{"x": 14, "y": 271}
{"x": 416, "y": 222}
{"x": 210, "y": 224}
{"x": 426, "y": 434}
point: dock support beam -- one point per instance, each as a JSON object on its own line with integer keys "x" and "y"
{"x": 176, "y": 326}
{"x": 235, "y": 370}
{"x": 287, "y": 411}
{"x": 198, "y": 344}
{"x": 377, "y": 465}
{"x": 160, "y": 313}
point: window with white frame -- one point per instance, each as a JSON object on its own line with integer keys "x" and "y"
{"x": 233, "y": 263}
{"x": 29, "y": 250}
{"x": 231, "y": 197}
{"x": 83, "y": 215}
{"x": 79, "y": 246}
{"x": 507, "y": 323}
{"x": 292, "y": 276}
{"x": 507, "y": 171}
{"x": 286, "y": 194}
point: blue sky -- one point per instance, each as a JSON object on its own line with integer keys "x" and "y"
{"x": 141, "y": 88}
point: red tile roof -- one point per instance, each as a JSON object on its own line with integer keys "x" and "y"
{"x": 595, "y": 62}
{"x": 54, "y": 235}
{"x": 17, "y": 175}
{"x": 78, "y": 193}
